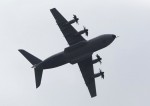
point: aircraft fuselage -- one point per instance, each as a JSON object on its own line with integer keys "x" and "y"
{"x": 77, "y": 52}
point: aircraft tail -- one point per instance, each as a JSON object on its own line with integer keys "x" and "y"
{"x": 34, "y": 61}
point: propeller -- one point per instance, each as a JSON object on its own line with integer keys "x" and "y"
{"x": 85, "y": 30}
{"x": 75, "y": 18}
{"x": 99, "y": 58}
{"x": 101, "y": 73}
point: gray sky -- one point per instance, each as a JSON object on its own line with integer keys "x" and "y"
{"x": 28, "y": 24}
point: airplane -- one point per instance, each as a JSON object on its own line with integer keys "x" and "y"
{"x": 79, "y": 51}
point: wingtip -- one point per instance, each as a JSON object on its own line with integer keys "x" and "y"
{"x": 92, "y": 96}
{"x": 20, "y": 50}
{"x": 52, "y": 9}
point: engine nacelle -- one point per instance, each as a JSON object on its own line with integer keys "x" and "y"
{"x": 97, "y": 60}
{"x": 99, "y": 74}
{"x": 71, "y": 21}
{"x": 83, "y": 31}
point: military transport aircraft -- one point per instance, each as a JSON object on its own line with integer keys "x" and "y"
{"x": 80, "y": 51}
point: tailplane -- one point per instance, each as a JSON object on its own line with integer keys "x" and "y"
{"x": 34, "y": 61}
{"x": 38, "y": 76}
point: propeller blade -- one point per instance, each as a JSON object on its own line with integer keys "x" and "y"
{"x": 101, "y": 73}
{"x": 86, "y": 33}
{"x": 77, "y": 22}
{"x": 75, "y": 18}
{"x": 85, "y": 30}
{"x": 99, "y": 58}
{"x": 84, "y": 27}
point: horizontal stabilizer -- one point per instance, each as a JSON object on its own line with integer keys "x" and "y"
{"x": 32, "y": 59}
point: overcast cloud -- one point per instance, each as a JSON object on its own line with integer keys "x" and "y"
{"x": 29, "y": 25}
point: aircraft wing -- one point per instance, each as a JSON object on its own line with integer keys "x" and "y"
{"x": 86, "y": 67}
{"x": 67, "y": 29}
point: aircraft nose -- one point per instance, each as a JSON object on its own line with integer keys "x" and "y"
{"x": 113, "y": 36}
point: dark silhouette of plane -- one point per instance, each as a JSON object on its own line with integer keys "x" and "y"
{"x": 79, "y": 51}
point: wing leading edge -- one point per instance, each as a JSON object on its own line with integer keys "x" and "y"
{"x": 69, "y": 32}
{"x": 86, "y": 67}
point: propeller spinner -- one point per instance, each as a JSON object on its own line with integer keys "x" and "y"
{"x": 101, "y": 73}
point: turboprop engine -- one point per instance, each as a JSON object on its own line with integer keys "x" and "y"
{"x": 98, "y": 59}
{"x": 75, "y": 19}
{"x": 83, "y": 31}
{"x": 99, "y": 74}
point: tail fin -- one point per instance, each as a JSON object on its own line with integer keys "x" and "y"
{"x": 33, "y": 60}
